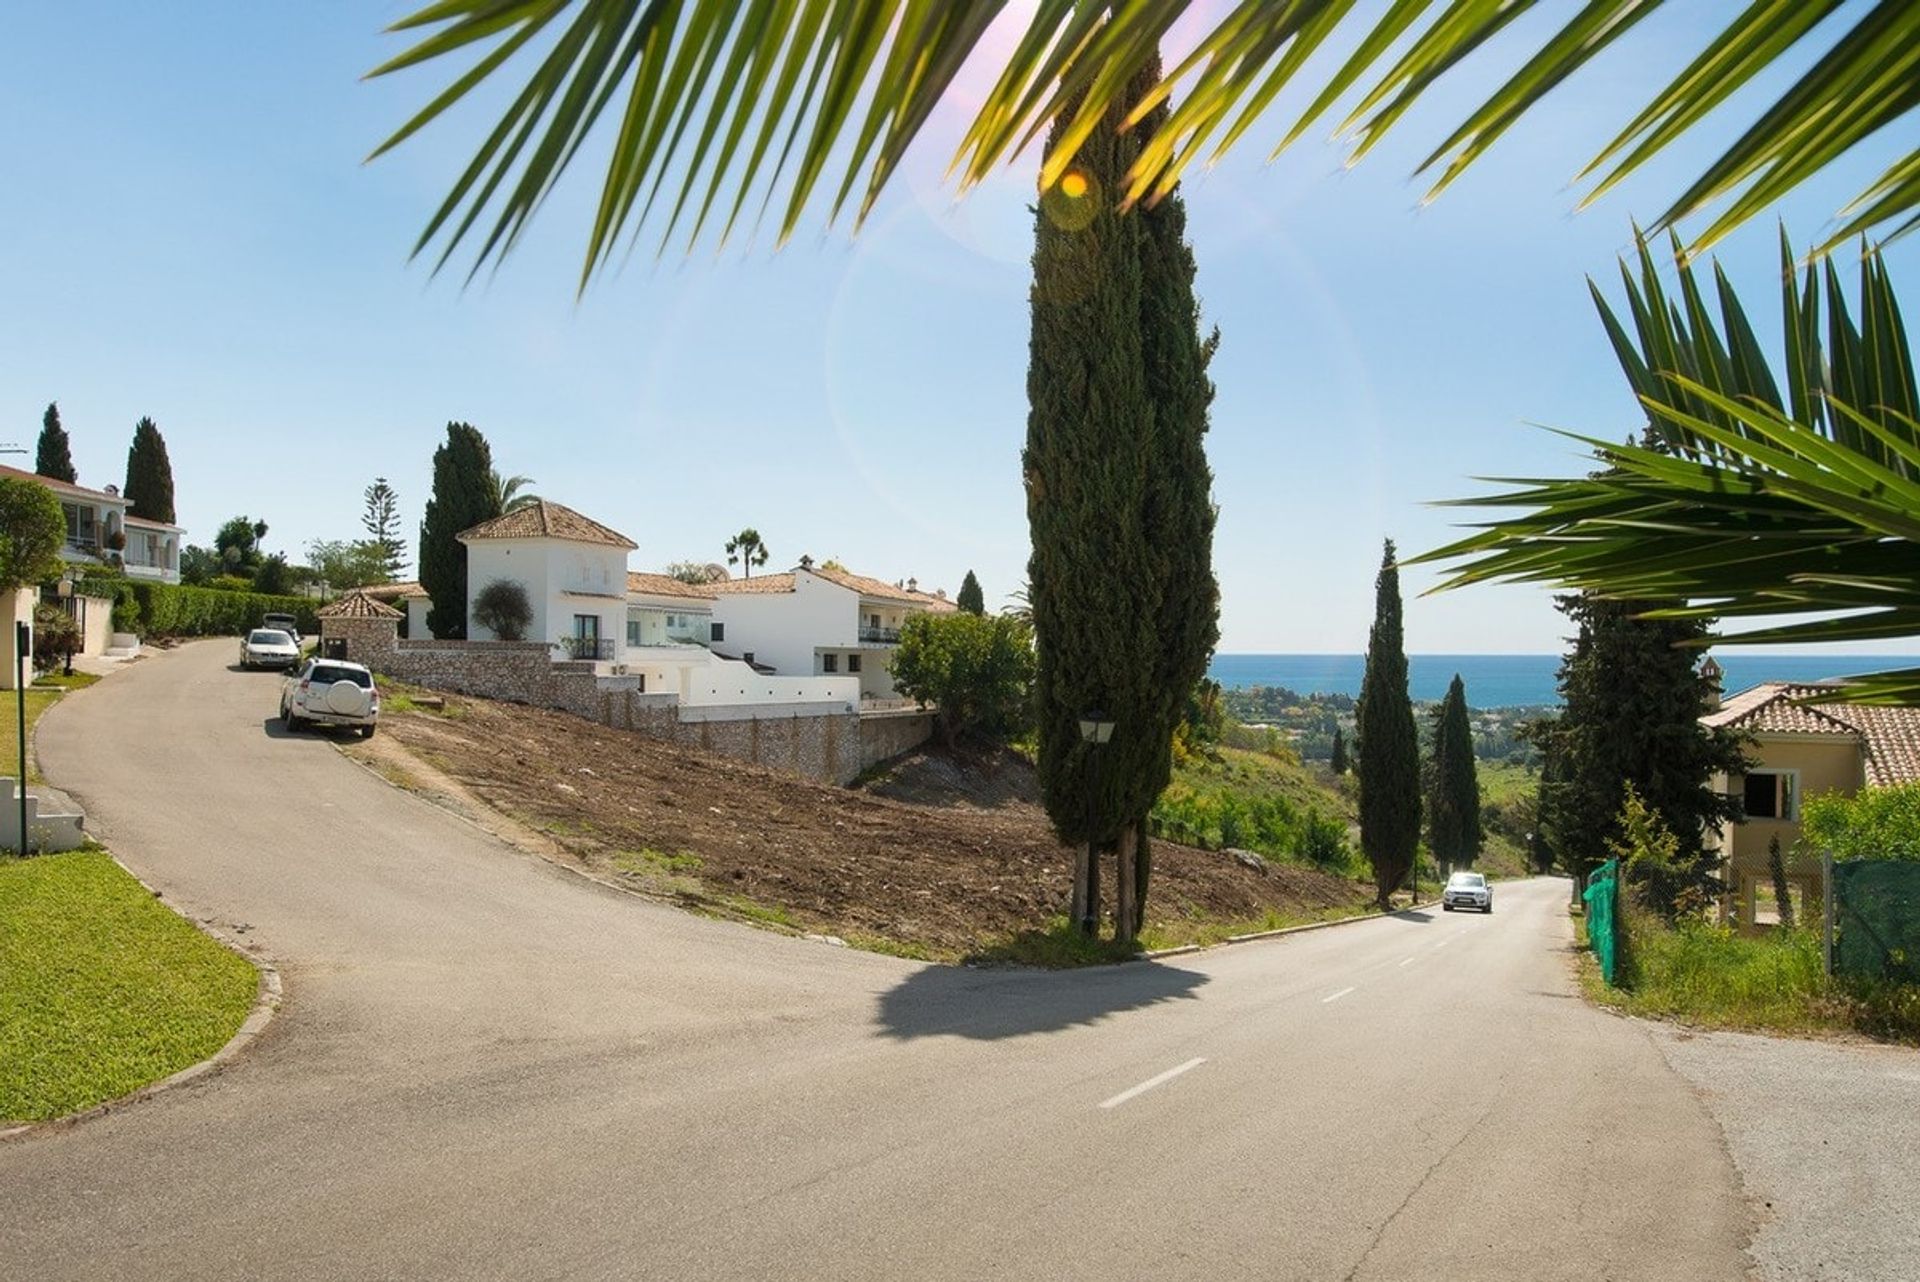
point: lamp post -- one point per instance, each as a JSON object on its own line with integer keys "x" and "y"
{"x": 65, "y": 589}
{"x": 1095, "y": 730}
{"x": 22, "y": 643}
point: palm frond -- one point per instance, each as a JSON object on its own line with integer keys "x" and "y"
{"x": 1740, "y": 503}
{"x": 715, "y": 103}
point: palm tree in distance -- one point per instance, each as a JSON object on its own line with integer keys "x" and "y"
{"x": 703, "y": 89}
{"x": 511, "y": 493}
{"x": 746, "y": 550}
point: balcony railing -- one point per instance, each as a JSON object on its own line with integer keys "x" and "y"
{"x": 587, "y": 647}
{"x": 882, "y": 636}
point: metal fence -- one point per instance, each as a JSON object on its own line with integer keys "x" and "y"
{"x": 1873, "y": 919}
{"x": 1603, "y": 922}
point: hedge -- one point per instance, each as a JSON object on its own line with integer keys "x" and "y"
{"x": 173, "y": 610}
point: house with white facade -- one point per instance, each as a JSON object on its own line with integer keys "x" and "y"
{"x": 818, "y": 621}
{"x": 663, "y": 611}
{"x": 100, "y": 532}
{"x": 573, "y": 568}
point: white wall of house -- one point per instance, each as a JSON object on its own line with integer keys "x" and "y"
{"x": 704, "y": 679}
{"x": 563, "y": 579}
{"x": 782, "y": 629}
{"x": 417, "y": 607}
{"x": 152, "y": 551}
{"x": 15, "y": 607}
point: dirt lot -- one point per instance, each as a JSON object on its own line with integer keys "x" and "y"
{"x": 940, "y": 859}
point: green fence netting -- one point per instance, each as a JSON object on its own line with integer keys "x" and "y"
{"x": 1876, "y": 919}
{"x": 1603, "y": 931}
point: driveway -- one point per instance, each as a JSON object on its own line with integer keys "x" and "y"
{"x": 486, "y": 1068}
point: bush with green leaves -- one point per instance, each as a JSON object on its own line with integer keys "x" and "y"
{"x": 55, "y": 636}
{"x": 502, "y": 608}
{"x": 975, "y": 670}
{"x": 32, "y": 531}
{"x": 1217, "y": 816}
{"x": 1874, "y": 823}
{"x": 1662, "y": 879}
{"x": 175, "y": 610}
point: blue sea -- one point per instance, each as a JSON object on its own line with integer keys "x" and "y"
{"x": 1510, "y": 680}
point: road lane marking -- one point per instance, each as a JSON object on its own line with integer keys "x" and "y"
{"x": 1334, "y": 997}
{"x": 1443, "y": 943}
{"x": 1406, "y": 961}
{"x": 1152, "y": 1082}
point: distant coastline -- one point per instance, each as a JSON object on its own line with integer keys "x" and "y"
{"x": 1511, "y": 680}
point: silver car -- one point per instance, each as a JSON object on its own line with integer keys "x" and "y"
{"x": 330, "y": 692}
{"x": 268, "y": 648}
{"x": 1467, "y": 890}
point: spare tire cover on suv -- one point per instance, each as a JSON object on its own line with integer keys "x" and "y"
{"x": 346, "y": 699}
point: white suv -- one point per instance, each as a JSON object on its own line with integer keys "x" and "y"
{"x": 330, "y": 692}
{"x": 1467, "y": 890}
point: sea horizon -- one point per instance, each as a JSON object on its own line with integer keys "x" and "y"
{"x": 1513, "y": 680}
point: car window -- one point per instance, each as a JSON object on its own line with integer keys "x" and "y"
{"x": 267, "y": 636}
{"x": 328, "y": 673}
{"x": 1467, "y": 879}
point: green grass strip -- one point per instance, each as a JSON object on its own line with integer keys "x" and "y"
{"x": 103, "y": 989}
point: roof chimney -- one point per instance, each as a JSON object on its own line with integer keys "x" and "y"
{"x": 1713, "y": 673}
{"x": 913, "y": 585}
{"x": 806, "y": 562}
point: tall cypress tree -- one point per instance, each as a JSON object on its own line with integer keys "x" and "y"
{"x": 1120, "y": 580}
{"x": 1338, "y": 761}
{"x": 54, "y": 458}
{"x": 971, "y": 599}
{"x": 1389, "y": 745}
{"x": 149, "y": 491}
{"x": 1453, "y": 808}
{"x": 463, "y": 496}
{"x": 1632, "y": 698}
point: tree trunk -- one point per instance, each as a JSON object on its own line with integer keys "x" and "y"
{"x": 1082, "y": 879}
{"x": 1093, "y": 889}
{"x": 1125, "y": 913}
{"x": 1142, "y": 877}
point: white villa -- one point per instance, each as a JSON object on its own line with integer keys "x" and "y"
{"x": 823, "y": 622}
{"x": 99, "y": 531}
{"x": 574, "y": 570}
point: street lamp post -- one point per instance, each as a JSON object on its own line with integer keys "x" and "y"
{"x": 65, "y": 589}
{"x": 1095, "y": 730}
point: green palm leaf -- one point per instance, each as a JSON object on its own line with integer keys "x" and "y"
{"x": 717, "y": 102}
{"x": 1739, "y": 503}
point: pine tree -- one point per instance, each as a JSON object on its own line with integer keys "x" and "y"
{"x": 1453, "y": 807}
{"x": 54, "y": 458}
{"x": 1338, "y": 762}
{"x": 382, "y": 522}
{"x": 149, "y": 490}
{"x": 463, "y": 496}
{"x": 1389, "y": 744}
{"x": 1118, "y": 504}
{"x": 971, "y": 599}
{"x": 1631, "y": 702}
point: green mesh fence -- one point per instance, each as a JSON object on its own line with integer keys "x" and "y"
{"x": 1603, "y": 931}
{"x": 1876, "y": 919}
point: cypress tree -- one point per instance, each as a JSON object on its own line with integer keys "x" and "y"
{"x": 1338, "y": 762}
{"x": 1118, "y": 500}
{"x": 971, "y": 599}
{"x": 54, "y": 458}
{"x": 463, "y": 496}
{"x": 1389, "y": 744}
{"x": 1453, "y": 808}
{"x": 1631, "y": 702}
{"x": 149, "y": 491}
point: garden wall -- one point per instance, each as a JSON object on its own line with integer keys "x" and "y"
{"x": 828, "y": 745}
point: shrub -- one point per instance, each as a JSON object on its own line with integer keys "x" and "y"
{"x": 55, "y": 636}
{"x": 976, "y": 670}
{"x": 502, "y": 608}
{"x": 175, "y": 610}
{"x": 1875, "y": 823}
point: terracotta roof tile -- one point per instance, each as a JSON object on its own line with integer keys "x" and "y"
{"x": 667, "y": 585}
{"x": 868, "y": 587}
{"x": 59, "y": 487}
{"x": 358, "y": 605}
{"x": 1890, "y": 737}
{"x": 764, "y": 583}
{"x": 542, "y": 519}
{"x": 393, "y": 591}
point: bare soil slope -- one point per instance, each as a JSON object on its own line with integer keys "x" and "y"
{"x": 947, "y": 875}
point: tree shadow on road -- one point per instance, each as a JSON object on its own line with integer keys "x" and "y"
{"x": 991, "y": 1004}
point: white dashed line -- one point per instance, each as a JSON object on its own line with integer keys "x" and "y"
{"x": 1334, "y": 997}
{"x": 1406, "y": 961}
{"x": 1151, "y": 1082}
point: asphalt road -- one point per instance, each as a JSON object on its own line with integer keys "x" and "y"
{"x": 486, "y": 1068}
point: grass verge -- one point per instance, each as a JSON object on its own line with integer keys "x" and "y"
{"x": 103, "y": 989}
{"x": 1713, "y": 977}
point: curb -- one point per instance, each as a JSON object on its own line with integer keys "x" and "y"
{"x": 266, "y": 1004}
{"x": 1158, "y": 953}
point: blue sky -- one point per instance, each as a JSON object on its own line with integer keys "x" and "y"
{"x": 189, "y": 233}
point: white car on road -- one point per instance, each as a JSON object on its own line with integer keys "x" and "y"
{"x": 269, "y": 648}
{"x": 330, "y": 692}
{"x": 1467, "y": 890}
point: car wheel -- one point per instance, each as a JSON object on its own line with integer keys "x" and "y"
{"x": 366, "y": 732}
{"x": 1489, "y": 909}
{"x": 1446, "y": 908}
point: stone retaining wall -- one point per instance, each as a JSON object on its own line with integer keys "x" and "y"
{"x": 818, "y": 743}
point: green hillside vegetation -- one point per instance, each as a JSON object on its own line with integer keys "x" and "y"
{"x": 1267, "y": 802}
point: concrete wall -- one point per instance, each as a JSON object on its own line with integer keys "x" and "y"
{"x": 806, "y": 725}
{"x": 15, "y": 607}
{"x": 417, "y": 607}
{"x": 45, "y": 832}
